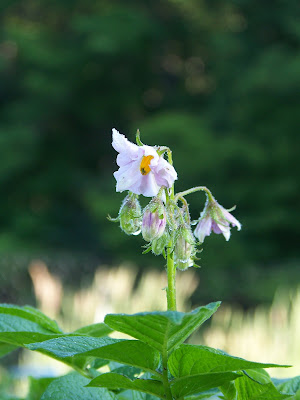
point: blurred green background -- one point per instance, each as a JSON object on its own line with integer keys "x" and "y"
{"x": 218, "y": 81}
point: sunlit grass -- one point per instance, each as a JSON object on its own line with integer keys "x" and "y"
{"x": 265, "y": 334}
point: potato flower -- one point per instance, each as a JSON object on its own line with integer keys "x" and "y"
{"x": 141, "y": 169}
{"x": 215, "y": 218}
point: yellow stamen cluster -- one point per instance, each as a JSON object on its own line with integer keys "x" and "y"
{"x": 145, "y": 165}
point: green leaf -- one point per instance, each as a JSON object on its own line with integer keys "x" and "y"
{"x": 70, "y": 346}
{"x": 37, "y": 387}
{"x": 19, "y": 331}
{"x": 290, "y": 385}
{"x": 229, "y": 391}
{"x": 135, "y": 395}
{"x": 258, "y": 375}
{"x": 132, "y": 395}
{"x": 23, "y": 325}
{"x": 204, "y": 395}
{"x": 249, "y": 387}
{"x": 114, "y": 381}
{"x": 31, "y": 314}
{"x": 6, "y": 348}
{"x": 161, "y": 330}
{"x": 126, "y": 370}
{"x": 131, "y": 352}
{"x": 191, "y": 360}
{"x": 73, "y": 387}
{"x": 188, "y": 385}
{"x": 95, "y": 330}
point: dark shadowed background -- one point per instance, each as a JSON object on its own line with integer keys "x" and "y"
{"x": 218, "y": 81}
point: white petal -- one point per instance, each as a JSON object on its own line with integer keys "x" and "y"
{"x": 225, "y": 231}
{"x": 127, "y": 176}
{"x": 122, "y": 145}
{"x": 165, "y": 173}
{"x": 148, "y": 186}
{"x": 150, "y": 151}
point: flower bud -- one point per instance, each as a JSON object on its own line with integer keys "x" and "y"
{"x": 158, "y": 245}
{"x": 130, "y": 215}
{"x": 154, "y": 220}
{"x": 184, "y": 250}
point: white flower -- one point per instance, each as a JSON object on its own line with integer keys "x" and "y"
{"x": 215, "y": 218}
{"x": 142, "y": 170}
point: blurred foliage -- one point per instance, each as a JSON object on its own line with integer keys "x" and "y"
{"x": 217, "y": 81}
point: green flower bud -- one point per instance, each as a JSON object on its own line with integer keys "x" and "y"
{"x": 184, "y": 250}
{"x": 130, "y": 215}
{"x": 184, "y": 265}
{"x": 158, "y": 245}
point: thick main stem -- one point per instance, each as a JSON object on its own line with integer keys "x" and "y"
{"x": 171, "y": 272}
{"x": 171, "y": 268}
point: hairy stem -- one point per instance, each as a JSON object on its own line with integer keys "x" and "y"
{"x": 193, "y": 190}
{"x": 171, "y": 271}
{"x": 171, "y": 268}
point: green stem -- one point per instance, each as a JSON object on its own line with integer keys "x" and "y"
{"x": 193, "y": 190}
{"x": 185, "y": 203}
{"x": 171, "y": 272}
{"x": 171, "y": 290}
{"x": 171, "y": 268}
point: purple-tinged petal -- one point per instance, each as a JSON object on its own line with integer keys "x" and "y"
{"x": 203, "y": 228}
{"x": 230, "y": 218}
{"x": 165, "y": 173}
{"x": 154, "y": 221}
{"x": 224, "y": 229}
{"x": 216, "y": 228}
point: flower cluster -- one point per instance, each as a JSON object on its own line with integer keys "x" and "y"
{"x": 164, "y": 225}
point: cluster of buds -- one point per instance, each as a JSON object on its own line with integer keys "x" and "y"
{"x": 160, "y": 227}
{"x": 164, "y": 225}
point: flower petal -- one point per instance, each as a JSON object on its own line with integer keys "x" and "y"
{"x": 215, "y": 228}
{"x": 203, "y": 228}
{"x": 128, "y": 176}
{"x": 165, "y": 173}
{"x": 221, "y": 227}
{"x": 122, "y": 145}
{"x": 230, "y": 218}
{"x": 150, "y": 151}
{"x": 148, "y": 185}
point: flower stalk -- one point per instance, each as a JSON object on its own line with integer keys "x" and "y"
{"x": 171, "y": 273}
